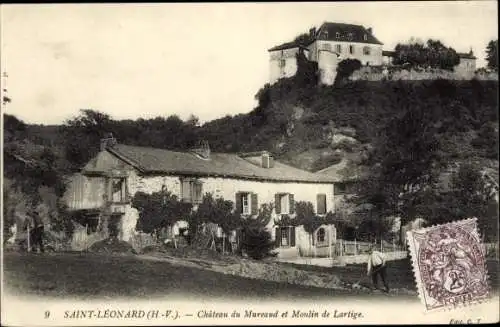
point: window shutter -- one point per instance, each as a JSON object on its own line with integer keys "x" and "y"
{"x": 277, "y": 203}
{"x": 254, "y": 204}
{"x": 292, "y": 236}
{"x": 238, "y": 204}
{"x": 321, "y": 202}
{"x": 292, "y": 203}
{"x": 278, "y": 237}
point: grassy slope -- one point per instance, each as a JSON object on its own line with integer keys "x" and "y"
{"x": 98, "y": 276}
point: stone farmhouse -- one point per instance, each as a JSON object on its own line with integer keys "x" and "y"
{"x": 106, "y": 184}
{"x": 334, "y": 42}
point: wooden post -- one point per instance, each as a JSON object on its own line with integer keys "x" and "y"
{"x": 173, "y": 235}
{"x": 381, "y": 248}
{"x": 330, "y": 242}
{"x": 341, "y": 247}
{"x": 86, "y": 237}
{"x": 223, "y": 242}
{"x": 355, "y": 247}
{"x": 29, "y": 247}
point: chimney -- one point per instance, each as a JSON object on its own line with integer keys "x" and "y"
{"x": 203, "y": 150}
{"x": 267, "y": 160}
{"x": 108, "y": 141}
{"x": 312, "y": 32}
{"x": 369, "y": 30}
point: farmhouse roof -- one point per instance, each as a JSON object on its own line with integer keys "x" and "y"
{"x": 161, "y": 161}
{"x": 346, "y": 33}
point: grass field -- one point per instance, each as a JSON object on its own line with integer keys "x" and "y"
{"x": 74, "y": 275}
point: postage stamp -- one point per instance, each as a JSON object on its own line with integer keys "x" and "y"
{"x": 449, "y": 265}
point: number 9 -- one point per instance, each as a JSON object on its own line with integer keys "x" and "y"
{"x": 47, "y": 314}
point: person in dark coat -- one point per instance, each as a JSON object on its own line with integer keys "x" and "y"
{"x": 36, "y": 234}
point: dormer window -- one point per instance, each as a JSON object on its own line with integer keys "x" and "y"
{"x": 350, "y": 36}
{"x": 337, "y": 35}
{"x": 365, "y": 37}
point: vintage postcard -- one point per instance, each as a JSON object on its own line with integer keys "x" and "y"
{"x": 277, "y": 163}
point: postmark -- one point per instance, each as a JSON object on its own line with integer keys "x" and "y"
{"x": 449, "y": 265}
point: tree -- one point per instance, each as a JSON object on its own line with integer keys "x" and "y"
{"x": 307, "y": 218}
{"x": 345, "y": 68}
{"x": 193, "y": 121}
{"x": 471, "y": 195}
{"x": 432, "y": 54}
{"x": 256, "y": 240}
{"x": 159, "y": 210}
{"x": 82, "y": 135}
{"x": 492, "y": 55}
{"x": 217, "y": 211}
{"x": 302, "y": 39}
{"x": 407, "y": 160}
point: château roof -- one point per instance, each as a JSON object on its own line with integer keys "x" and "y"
{"x": 334, "y": 32}
{"x": 346, "y": 33}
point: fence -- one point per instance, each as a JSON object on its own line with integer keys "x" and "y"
{"x": 344, "y": 248}
{"x": 491, "y": 250}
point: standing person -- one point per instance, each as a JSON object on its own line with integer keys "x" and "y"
{"x": 377, "y": 266}
{"x": 37, "y": 233}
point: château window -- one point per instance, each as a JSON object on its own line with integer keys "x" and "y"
{"x": 338, "y": 48}
{"x": 191, "y": 190}
{"x": 351, "y": 49}
{"x": 327, "y": 47}
{"x": 366, "y": 51}
{"x": 282, "y": 63}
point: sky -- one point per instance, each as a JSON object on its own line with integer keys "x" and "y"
{"x": 149, "y": 60}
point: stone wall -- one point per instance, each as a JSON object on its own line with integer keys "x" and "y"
{"x": 378, "y": 73}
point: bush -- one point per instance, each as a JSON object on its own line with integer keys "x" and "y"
{"x": 257, "y": 243}
{"x": 345, "y": 69}
{"x": 112, "y": 245}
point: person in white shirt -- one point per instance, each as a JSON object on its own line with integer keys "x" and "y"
{"x": 377, "y": 266}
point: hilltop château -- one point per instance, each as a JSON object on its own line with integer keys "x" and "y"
{"x": 334, "y": 42}
{"x": 330, "y": 44}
